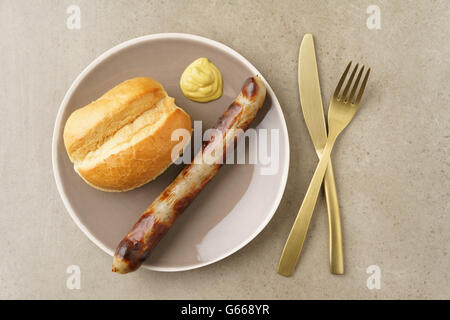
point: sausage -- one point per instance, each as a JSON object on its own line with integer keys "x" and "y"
{"x": 162, "y": 213}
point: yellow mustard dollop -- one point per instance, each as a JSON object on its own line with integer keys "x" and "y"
{"x": 201, "y": 81}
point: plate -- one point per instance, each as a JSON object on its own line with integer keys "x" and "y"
{"x": 233, "y": 208}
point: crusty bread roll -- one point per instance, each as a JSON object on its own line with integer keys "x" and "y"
{"x": 123, "y": 140}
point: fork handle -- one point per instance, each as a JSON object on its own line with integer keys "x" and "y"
{"x": 334, "y": 223}
{"x": 296, "y": 238}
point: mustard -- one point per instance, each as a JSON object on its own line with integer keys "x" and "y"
{"x": 201, "y": 81}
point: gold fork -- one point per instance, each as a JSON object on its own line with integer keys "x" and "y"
{"x": 342, "y": 109}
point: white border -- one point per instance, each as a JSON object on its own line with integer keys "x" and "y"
{"x": 134, "y": 41}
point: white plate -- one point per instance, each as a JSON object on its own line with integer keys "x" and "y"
{"x": 233, "y": 208}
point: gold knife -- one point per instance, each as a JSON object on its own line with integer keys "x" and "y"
{"x": 311, "y": 101}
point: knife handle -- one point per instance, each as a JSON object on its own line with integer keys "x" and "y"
{"x": 334, "y": 223}
{"x": 297, "y": 236}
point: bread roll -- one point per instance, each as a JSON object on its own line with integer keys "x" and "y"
{"x": 123, "y": 140}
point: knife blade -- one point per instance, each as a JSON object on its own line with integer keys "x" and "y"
{"x": 310, "y": 96}
{"x": 312, "y": 108}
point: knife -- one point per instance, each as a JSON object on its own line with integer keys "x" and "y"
{"x": 311, "y": 101}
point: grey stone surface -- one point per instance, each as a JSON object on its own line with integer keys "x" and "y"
{"x": 391, "y": 164}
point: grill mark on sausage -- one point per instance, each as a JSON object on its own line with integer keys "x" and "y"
{"x": 250, "y": 89}
{"x": 228, "y": 117}
{"x": 181, "y": 204}
{"x": 135, "y": 248}
{"x": 165, "y": 194}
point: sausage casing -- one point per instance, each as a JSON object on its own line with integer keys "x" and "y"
{"x": 162, "y": 213}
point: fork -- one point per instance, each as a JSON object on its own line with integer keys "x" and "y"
{"x": 343, "y": 107}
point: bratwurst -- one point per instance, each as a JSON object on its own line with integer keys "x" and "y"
{"x": 162, "y": 213}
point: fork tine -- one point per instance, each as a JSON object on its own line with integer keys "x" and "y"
{"x": 349, "y": 83}
{"x": 363, "y": 86}
{"x": 355, "y": 86}
{"x": 341, "y": 81}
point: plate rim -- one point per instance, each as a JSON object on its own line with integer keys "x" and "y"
{"x": 114, "y": 50}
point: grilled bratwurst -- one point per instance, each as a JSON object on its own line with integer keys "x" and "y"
{"x": 162, "y": 213}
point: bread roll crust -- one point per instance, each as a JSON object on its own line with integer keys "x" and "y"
{"x": 89, "y": 126}
{"x": 123, "y": 140}
{"x": 139, "y": 163}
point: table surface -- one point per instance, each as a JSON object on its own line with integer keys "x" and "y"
{"x": 392, "y": 164}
